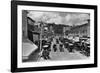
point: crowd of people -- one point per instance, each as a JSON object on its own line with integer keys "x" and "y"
{"x": 63, "y": 43}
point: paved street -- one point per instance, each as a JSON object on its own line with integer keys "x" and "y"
{"x": 65, "y": 55}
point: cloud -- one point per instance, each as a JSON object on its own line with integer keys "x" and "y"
{"x": 76, "y": 19}
{"x": 35, "y": 15}
{"x": 50, "y": 17}
{"x": 59, "y": 18}
{"x": 55, "y": 19}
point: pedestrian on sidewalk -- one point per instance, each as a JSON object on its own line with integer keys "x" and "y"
{"x": 61, "y": 48}
{"x": 55, "y": 47}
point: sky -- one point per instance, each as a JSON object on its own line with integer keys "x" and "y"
{"x": 66, "y": 18}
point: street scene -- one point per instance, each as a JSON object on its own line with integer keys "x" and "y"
{"x": 55, "y": 36}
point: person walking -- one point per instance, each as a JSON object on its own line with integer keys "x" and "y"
{"x": 55, "y": 47}
{"x": 61, "y": 48}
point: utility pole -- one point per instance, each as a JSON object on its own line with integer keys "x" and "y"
{"x": 41, "y": 33}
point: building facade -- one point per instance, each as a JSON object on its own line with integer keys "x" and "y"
{"x": 81, "y": 30}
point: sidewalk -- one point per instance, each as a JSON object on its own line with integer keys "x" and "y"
{"x": 28, "y": 48}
